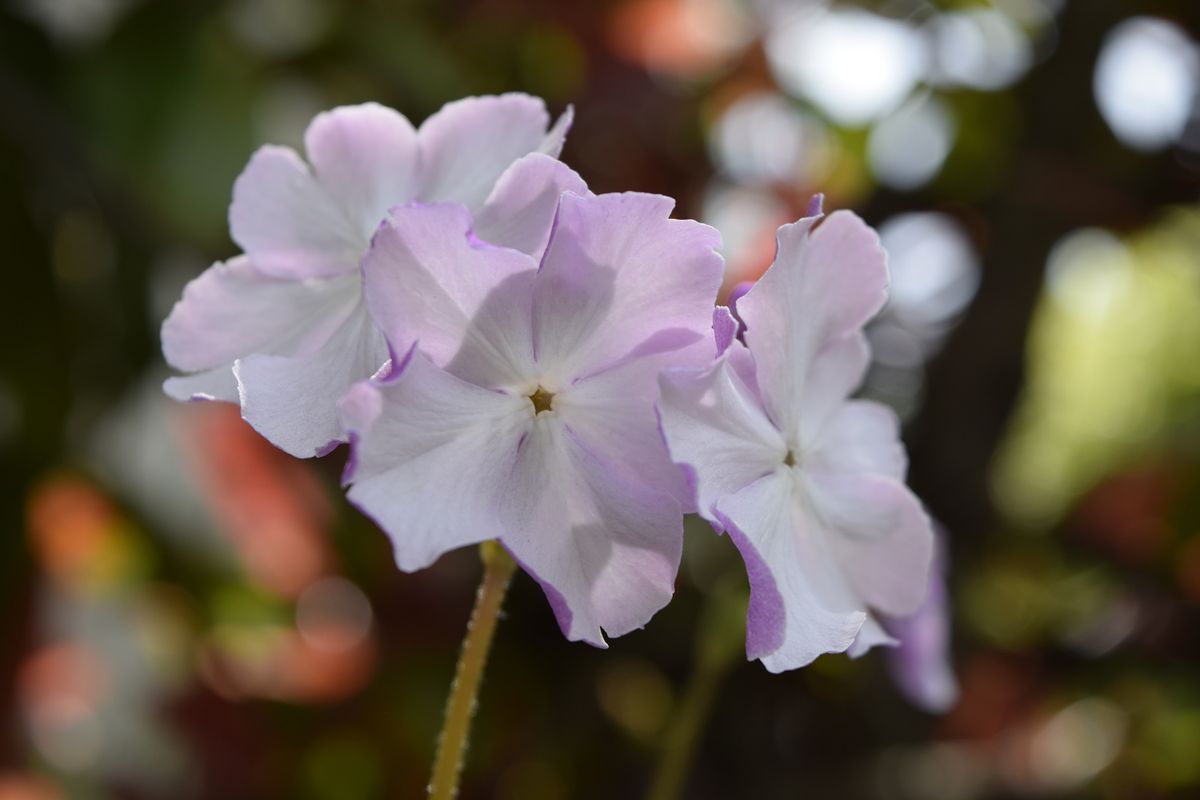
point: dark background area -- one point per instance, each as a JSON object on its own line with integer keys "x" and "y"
{"x": 189, "y": 613}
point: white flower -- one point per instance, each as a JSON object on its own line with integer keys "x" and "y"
{"x": 808, "y": 484}
{"x": 283, "y": 329}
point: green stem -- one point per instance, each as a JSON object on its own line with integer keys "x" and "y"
{"x": 679, "y": 749}
{"x": 498, "y": 569}
{"x": 718, "y": 644}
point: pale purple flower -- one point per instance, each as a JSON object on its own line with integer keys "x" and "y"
{"x": 522, "y": 404}
{"x": 920, "y": 663}
{"x": 282, "y": 329}
{"x": 807, "y": 483}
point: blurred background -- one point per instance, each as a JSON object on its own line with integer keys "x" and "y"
{"x": 188, "y": 613}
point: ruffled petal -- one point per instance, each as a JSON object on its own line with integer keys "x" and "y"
{"x": 467, "y": 304}
{"x": 292, "y": 401}
{"x": 288, "y": 223}
{"x": 717, "y": 431}
{"x": 365, "y": 157}
{"x": 233, "y": 310}
{"x": 826, "y": 282}
{"x": 520, "y": 210}
{"x": 552, "y": 143}
{"x": 468, "y": 144}
{"x": 431, "y": 456}
{"x": 882, "y": 537}
{"x": 604, "y": 548}
{"x": 862, "y": 436}
{"x": 872, "y": 634}
{"x": 620, "y": 277}
{"x": 800, "y": 606}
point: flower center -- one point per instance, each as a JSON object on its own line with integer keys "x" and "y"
{"x": 790, "y": 459}
{"x": 542, "y": 401}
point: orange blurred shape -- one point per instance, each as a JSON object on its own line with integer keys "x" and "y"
{"x": 319, "y": 673}
{"x": 290, "y": 667}
{"x": 1126, "y": 514}
{"x": 753, "y": 261}
{"x": 16, "y": 786}
{"x": 70, "y": 526}
{"x": 270, "y": 504}
{"x": 61, "y": 683}
{"x": 685, "y": 38}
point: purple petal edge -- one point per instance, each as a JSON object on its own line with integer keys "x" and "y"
{"x": 328, "y": 448}
{"x": 558, "y": 604}
{"x": 725, "y": 328}
{"x": 737, "y": 293}
{"x": 390, "y": 372}
{"x": 766, "y": 617}
{"x": 816, "y": 205}
{"x": 351, "y": 460}
{"x": 395, "y": 366}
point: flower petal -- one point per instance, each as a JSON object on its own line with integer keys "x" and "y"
{"x": 431, "y": 456}
{"x": 799, "y": 604}
{"x": 233, "y": 310}
{"x": 292, "y": 401}
{"x": 468, "y": 304}
{"x": 288, "y": 223}
{"x": 520, "y": 210}
{"x": 620, "y": 277}
{"x": 834, "y": 373}
{"x": 552, "y": 142}
{"x": 872, "y": 634}
{"x": 826, "y": 282}
{"x": 862, "y": 436}
{"x": 716, "y": 429}
{"x": 469, "y": 143}
{"x": 365, "y": 157}
{"x": 885, "y": 545}
{"x": 725, "y": 328}
{"x": 613, "y": 415}
{"x": 604, "y": 548}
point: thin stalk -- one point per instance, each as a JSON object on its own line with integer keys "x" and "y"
{"x": 679, "y": 750}
{"x": 498, "y": 569}
{"x": 718, "y": 645}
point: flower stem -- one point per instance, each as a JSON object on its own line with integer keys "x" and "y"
{"x": 498, "y": 569}
{"x": 680, "y": 748}
{"x": 718, "y": 644}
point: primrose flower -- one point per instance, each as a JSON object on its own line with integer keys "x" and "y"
{"x": 521, "y": 405}
{"x": 283, "y": 329}
{"x": 808, "y": 484}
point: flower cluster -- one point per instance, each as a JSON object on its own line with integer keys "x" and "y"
{"x": 514, "y": 358}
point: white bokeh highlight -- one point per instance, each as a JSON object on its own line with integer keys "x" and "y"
{"x": 854, "y": 65}
{"x": 907, "y": 149}
{"x": 1146, "y": 82}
